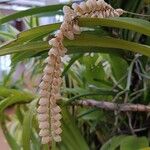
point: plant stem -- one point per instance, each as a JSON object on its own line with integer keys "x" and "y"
{"x": 126, "y": 107}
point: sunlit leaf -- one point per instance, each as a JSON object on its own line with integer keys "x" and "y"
{"x": 84, "y": 41}
{"x": 32, "y": 11}
{"x": 15, "y": 97}
{"x": 113, "y": 143}
{"x": 134, "y": 143}
{"x": 134, "y": 24}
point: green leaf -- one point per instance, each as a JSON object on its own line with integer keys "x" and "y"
{"x": 67, "y": 139}
{"x": 91, "y": 114}
{"x": 6, "y": 35}
{"x": 31, "y": 34}
{"x": 134, "y": 24}
{"x": 137, "y": 25}
{"x": 84, "y": 42}
{"x": 73, "y": 59}
{"x": 27, "y": 127}
{"x": 89, "y": 41}
{"x": 32, "y": 46}
{"x": 71, "y": 135}
{"x": 113, "y": 143}
{"x": 126, "y": 143}
{"x": 4, "y": 92}
{"x": 12, "y": 30}
{"x": 21, "y": 56}
{"x": 45, "y": 147}
{"x": 37, "y": 32}
{"x": 119, "y": 68}
{"x": 15, "y": 97}
{"x": 146, "y": 148}
{"x": 32, "y": 11}
{"x": 10, "y": 139}
{"x": 134, "y": 143}
{"x": 19, "y": 114}
{"x": 98, "y": 92}
{"x": 92, "y": 70}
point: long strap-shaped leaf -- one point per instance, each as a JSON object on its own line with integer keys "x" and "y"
{"x": 10, "y": 139}
{"x": 33, "y": 11}
{"x": 12, "y": 96}
{"x": 137, "y": 25}
{"x": 32, "y": 34}
{"x": 87, "y": 43}
{"x": 27, "y": 126}
{"x": 74, "y": 139}
{"x": 37, "y": 32}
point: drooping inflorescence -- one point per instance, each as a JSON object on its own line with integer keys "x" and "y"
{"x": 49, "y": 113}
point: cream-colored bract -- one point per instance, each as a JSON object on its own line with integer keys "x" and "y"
{"x": 49, "y": 113}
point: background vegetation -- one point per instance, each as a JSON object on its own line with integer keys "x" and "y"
{"x": 109, "y": 61}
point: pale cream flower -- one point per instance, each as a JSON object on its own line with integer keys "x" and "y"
{"x": 49, "y": 113}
